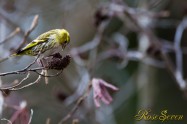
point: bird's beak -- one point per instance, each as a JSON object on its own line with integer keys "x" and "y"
{"x": 64, "y": 45}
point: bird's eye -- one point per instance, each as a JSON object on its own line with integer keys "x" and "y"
{"x": 65, "y": 41}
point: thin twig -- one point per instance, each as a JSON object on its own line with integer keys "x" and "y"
{"x": 177, "y": 45}
{"x": 54, "y": 75}
{"x": 32, "y": 27}
{"x": 78, "y": 103}
{"x": 48, "y": 121}
{"x": 46, "y": 78}
{"x": 84, "y": 48}
{"x": 24, "y": 70}
{"x": 154, "y": 3}
{"x": 88, "y": 46}
{"x": 4, "y": 119}
{"x": 13, "y": 86}
{"x": 11, "y": 35}
{"x": 36, "y": 81}
{"x": 31, "y": 115}
{"x": 153, "y": 39}
{"x": 75, "y": 52}
{"x": 13, "y": 25}
{"x": 169, "y": 65}
{"x": 35, "y": 70}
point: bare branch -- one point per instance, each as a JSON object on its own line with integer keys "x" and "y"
{"x": 13, "y": 25}
{"x": 54, "y": 63}
{"x": 78, "y": 103}
{"x": 17, "y": 84}
{"x": 11, "y": 35}
{"x": 25, "y": 86}
{"x": 177, "y": 45}
{"x": 157, "y": 43}
{"x": 48, "y": 121}
{"x": 31, "y": 115}
{"x": 4, "y": 119}
{"x": 32, "y": 27}
{"x": 26, "y": 69}
{"x": 22, "y": 71}
{"x": 54, "y": 75}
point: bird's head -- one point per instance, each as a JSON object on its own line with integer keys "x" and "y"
{"x": 65, "y": 37}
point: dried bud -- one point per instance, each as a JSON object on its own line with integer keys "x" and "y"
{"x": 9, "y": 6}
{"x": 100, "y": 17}
{"x": 61, "y": 96}
{"x": 6, "y": 92}
{"x": 185, "y": 11}
{"x": 57, "y": 62}
{"x": 153, "y": 51}
{"x": 57, "y": 55}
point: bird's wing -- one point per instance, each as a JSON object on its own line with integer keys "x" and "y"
{"x": 33, "y": 44}
{"x": 43, "y": 38}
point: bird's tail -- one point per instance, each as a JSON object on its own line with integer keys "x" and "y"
{"x": 6, "y": 58}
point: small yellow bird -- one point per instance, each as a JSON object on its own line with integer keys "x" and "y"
{"x": 45, "y": 44}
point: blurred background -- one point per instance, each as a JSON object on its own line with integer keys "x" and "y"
{"x": 110, "y": 39}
